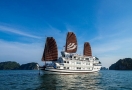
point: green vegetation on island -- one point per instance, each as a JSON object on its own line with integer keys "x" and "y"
{"x": 122, "y": 64}
{"x": 11, "y": 65}
{"x": 28, "y": 66}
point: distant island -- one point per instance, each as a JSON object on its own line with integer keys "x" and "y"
{"x": 122, "y": 64}
{"x": 104, "y": 68}
{"x": 12, "y": 65}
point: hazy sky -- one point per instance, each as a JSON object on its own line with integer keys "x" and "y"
{"x": 25, "y": 24}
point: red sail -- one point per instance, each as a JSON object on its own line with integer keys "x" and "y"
{"x": 50, "y": 51}
{"x": 71, "y": 43}
{"x": 87, "y": 49}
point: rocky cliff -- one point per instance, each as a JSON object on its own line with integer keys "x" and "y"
{"x": 11, "y": 65}
{"x": 122, "y": 64}
{"x": 28, "y": 66}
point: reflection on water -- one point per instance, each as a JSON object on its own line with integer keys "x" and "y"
{"x": 103, "y": 80}
{"x": 30, "y": 80}
{"x": 74, "y": 82}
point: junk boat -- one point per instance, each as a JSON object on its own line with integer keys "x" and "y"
{"x": 69, "y": 62}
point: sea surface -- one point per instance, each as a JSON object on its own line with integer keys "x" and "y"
{"x": 31, "y": 80}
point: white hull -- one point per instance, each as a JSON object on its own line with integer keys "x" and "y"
{"x": 58, "y": 71}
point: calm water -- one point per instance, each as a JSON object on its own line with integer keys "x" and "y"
{"x": 30, "y": 80}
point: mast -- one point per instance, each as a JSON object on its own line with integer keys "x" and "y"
{"x": 50, "y": 51}
{"x": 87, "y": 49}
{"x": 71, "y": 43}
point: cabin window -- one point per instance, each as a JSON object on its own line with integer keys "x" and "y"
{"x": 58, "y": 67}
{"x": 78, "y": 62}
{"x": 64, "y": 67}
{"x": 86, "y": 58}
{"x": 64, "y": 61}
{"x": 67, "y": 67}
{"x": 78, "y": 67}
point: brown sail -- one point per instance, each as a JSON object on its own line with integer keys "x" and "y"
{"x": 50, "y": 51}
{"x": 71, "y": 43}
{"x": 87, "y": 49}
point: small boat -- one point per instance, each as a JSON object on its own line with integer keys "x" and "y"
{"x": 69, "y": 62}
